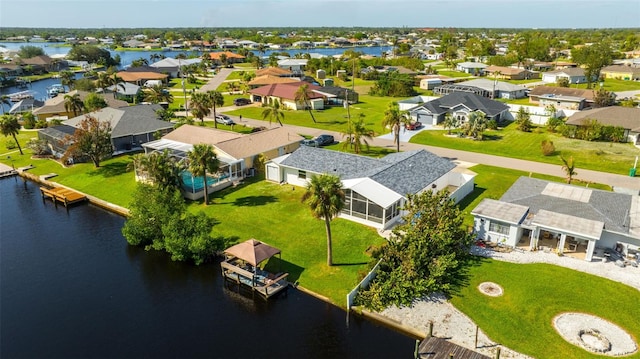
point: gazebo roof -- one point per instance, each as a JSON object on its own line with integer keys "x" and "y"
{"x": 252, "y": 251}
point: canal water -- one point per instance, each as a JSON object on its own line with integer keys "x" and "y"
{"x": 39, "y": 88}
{"x": 71, "y": 287}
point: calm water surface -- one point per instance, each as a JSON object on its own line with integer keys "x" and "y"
{"x": 71, "y": 287}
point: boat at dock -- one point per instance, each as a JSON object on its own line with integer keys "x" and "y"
{"x": 19, "y": 96}
{"x": 55, "y": 89}
{"x": 242, "y": 266}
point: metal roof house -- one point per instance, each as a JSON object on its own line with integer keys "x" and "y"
{"x": 576, "y": 221}
{"x": 460, "y": 105}
{"x": 375, "y": 189}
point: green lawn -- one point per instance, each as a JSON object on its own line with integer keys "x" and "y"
{"x": 534, "y": 294}
{"x": 176, "y": 84}
{"x": 608, "y": 84}
{"x": 509, "y": 142}
{"x": 237, "y": 75}
{"x": 274, "y": 214}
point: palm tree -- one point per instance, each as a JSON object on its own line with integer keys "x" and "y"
{"x": 67, "y": 78}
{"x": 4, "y": 100}
{"x": 302, "y": 95}
{"x": 394, "y": 119}
{"x": 358, "y": 133}
{"x": 160, "y": 168}
{"x": 273, "y": 113}
{"x": 157, "y": 94}
{"x": 203, "y": 160}
{"x": 9, "y": 126}
{"x": 73, "y": 103}
{"x": 450, "y": 122}
{"x": 200, "y": 105}
{"x": 216, "y": 100}
{"x": 325, "y": 196}
{"x": 475, "y": 125}
{"x": 569, "y": 168}
{"x": 257, "y": 62}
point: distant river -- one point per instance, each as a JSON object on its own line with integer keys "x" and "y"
{"x": 71, "y": 287}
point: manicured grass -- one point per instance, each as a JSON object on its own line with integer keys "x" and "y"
{"x": 534, "y": 294}
{"x": 176, "y": 84}
{"x": 237, "y": 75}
{"x": 275, "y": 214}
{"x": 492, "y": 182}
{"x": 510, "y": 142}
{"x": 520, "y": 82}
{"x": 608, "y": 84}
{"x": 453, "y": 73}
{"x": 518, "y": 101}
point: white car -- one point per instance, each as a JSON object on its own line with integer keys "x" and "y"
{"x": 224, "y": 119}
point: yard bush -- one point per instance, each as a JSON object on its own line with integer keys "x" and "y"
{"x": 553, "y": 123}
{"x": 10, "y": 144}
{"x": 548, "y": 148}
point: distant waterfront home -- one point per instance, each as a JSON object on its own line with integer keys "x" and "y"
{"x": 575, "y": 221}
{"x": 460, "y": 105}
{"x": 231, "y": 57}
{"x": 124, "y": 91}
{"x": 172, "y": 66}
{"x": 617, "y": 116}
{"x": 510, "y": 73}
{"x": 561, "y": 97}
{"x": 39, "y": 64}
{"x": 237, "y": 152}
{"x": 274, "y": 71}
{"x": 140, "y": 75}
{"x": 621, "y": 72}
{"x": 264, "y": 80}
{"x": 296, "y": 66}
{"x": 54, "y": 107}
{"x": 130, "y": 127}
{"x": 376, "y": 189}
{"x": 574, "y": 75}
{"x": 472, "y": 68}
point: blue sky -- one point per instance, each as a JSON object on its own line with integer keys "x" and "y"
{"x": 317, "y": 13}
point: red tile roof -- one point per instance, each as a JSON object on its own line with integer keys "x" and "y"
{"x": 230, "y": 55}
{"x": 285, "y": 91}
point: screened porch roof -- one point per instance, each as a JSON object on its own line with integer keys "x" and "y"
{"x": 581, "y": 227}
{"x": 372, "y": 190}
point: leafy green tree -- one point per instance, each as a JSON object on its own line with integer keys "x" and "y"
{"x": 203, "y": 160}
{"x": 29, "y": 51}
{"x": 450, "y": 121}
{"x": 393, "y": 84}
{"x": 325, "y": 196}
{"x": 67, "y": 78}
{"x": 29, "y": 120}
{"x": 604, "y": 98}
{"x": 395, "y": 120}
{"x": 303, "y": 96}
{"x": 9, "y": 126}
{"x": 94, "y": 102}
{"x": 426, "y": 254}
{"x": 357, "y": 134}
{"x": 37, "y": 146}
{"x": 91, "y": 139}
{"x": 569, "y": 168}
{"x": 92, "y": 54}
{"x": 73, "y": 103}
{"x": 84, "y": 84}
{"x": 166, "y": 114}
{"x": 593, "y": 58}
{"x": 562, "y": 82}
{"x": 523, "y": 120}
{"x": 273, "y": 113}
{"x": 188, "y": 238}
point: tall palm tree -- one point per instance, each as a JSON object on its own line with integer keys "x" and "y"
{"x": 394, "y": 119}
{"x": 449, "y": 122}
{"x": 200, "y": 105}
{"x": 358, "y": 133}
{"x": 325, "y": 196}
{"x": 4, "y": 100}
{"x": 73, "y": 103}
{"x": 156, "y": 94}
{"x": 67, "y": 78}
{"x": 203, "y": 160}
{"x": 569, "y": 168}
{"x": 9, "y": 126}
{"x": 273, "y": 113}
{"x": 160, "y": 168}
{"x": 302, "y": 95}
{"x": 216, "y": 100}
{"x": 475, "y": 125}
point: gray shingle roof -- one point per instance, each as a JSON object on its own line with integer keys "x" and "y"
{"x": 472, "y": 101}
{"x": 127, "y": 121}
{"x": 608, "y": 207}
{"x": 403, "y": 173}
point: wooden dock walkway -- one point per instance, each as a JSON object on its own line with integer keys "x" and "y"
{"x": 439, "y": 348}
{"x": 7, "y": 171}
{"x": 63, "y": 195}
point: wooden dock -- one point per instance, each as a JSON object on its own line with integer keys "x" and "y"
{"x": 62, "y": 195}
{"x": 262, "y": 282}
{"x": 7, "y": 171}
{"x": 439, "y": 348}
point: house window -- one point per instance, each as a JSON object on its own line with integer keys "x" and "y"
{"x": 498, "y": 227}
{"x": 302, "y": 174}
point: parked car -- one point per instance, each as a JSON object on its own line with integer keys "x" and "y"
{"x": 241, "y": 101}
{"x": 224, "y": 119}
{"x": 322, "y": 140}
{"x": 413, "y": 125}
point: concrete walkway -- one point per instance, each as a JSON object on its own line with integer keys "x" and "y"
{"x": 618, "y": 182}
{"x": 216, "y": 80}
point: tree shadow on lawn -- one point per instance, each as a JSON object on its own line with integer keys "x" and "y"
{"x": 486, "y": 137}
{"x": 279, "y": 265}
{"x": 460, "y": 278}
{"x": 252, "y": 201}
{"x": 110, "y": 170}
{"x": 349, "y": 264}
{"x": 468, "y": 199}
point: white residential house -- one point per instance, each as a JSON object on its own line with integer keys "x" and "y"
{"x": 375, "y": 189}
{"x": 575, "y": 75}
{"x": 473, "y": 68}
{"x": 556, "y": 217}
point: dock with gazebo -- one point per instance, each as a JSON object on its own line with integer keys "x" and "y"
{"x": 242, "y": 266}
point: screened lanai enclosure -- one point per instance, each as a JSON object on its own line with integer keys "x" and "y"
{"x": 193, "y": 187}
